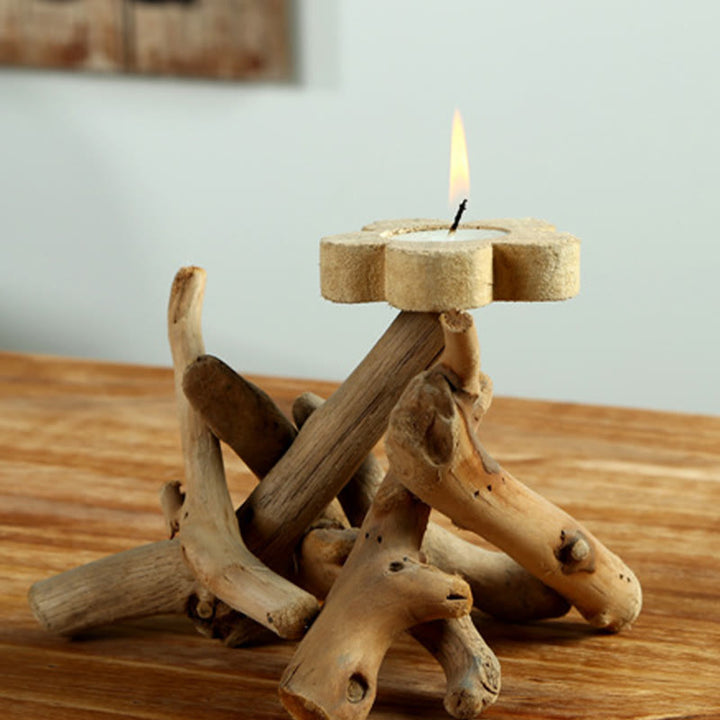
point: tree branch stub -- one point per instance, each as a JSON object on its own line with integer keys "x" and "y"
{"x": 383, "y": 589}
{"x": 208, "y": 530}
{"x": 432, "y": 445}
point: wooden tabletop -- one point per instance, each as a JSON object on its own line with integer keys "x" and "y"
{"x": 85, "y": 447}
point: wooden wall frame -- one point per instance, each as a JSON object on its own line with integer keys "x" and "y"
{"x": 231, "y": 39}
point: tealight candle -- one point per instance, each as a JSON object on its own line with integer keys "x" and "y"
{"x": 416, "y": 265}
{"x": 444, "y": 236}
{"x": 428, "y": 265}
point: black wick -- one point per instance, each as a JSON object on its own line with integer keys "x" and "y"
{"x": 458, "y": 215}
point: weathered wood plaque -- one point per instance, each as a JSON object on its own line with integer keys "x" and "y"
{"x": 231, "y": 39}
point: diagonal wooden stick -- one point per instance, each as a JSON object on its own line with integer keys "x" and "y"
{"x": 336, "y": 439}
{"x": 500, "y": 586}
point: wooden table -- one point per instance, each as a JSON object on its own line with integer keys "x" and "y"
{"x": 85, "y": 447}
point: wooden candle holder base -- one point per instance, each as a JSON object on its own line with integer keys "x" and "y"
{"x": 324, "y": 524}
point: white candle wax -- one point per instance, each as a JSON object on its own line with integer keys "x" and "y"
{"x": 442, "y": 235}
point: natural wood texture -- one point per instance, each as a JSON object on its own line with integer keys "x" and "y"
{"x": 204, "y": 514}
{"x": 212, "y": 38}
{"x": 228, "y": 39}
{"x": 472, "y": 671}
{"x": 336, "y": 438}
{"x": 500, "y": 587}
{"x": 85, "y": 34}
{"x": 383, "y": 588}
{"x": 435, "y": 452}
{"x": 148, "y": 580}
{"x": 529, "y": 261}
{"x": 84, "y": 448}
{"x": 154, "y": 578}
{"x": 357, "y": 495}
{"x": 224, "y": 399}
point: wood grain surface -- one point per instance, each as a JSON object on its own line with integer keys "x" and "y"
{"x": 230, "y": 39}
{"x": 85, "y": 447}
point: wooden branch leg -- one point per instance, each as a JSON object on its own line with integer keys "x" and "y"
{"x": 245, "y": 418}
{"x": 154, "y": 579}
{"x": 147, "y": 580}
{"x": 471, "y": 669}
{"x": 500, "y": 586}
{"x": 382, "y": 589}
{"x": 239, "y": 413}
{"x": 432, "y": 445}
{"x": 208, "y": 530}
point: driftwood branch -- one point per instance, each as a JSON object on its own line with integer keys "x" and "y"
{"x": 147, "y": 580}
{"x": 433, "y": 447}
{"x": 357, "y": 495}
{"x": 500, "y": 586}
{"x": 471, "y": 670}
{"x": 239, "y": 413}
{"x": 154, "y": 579}
{"x": 208, "y": 530}
{"x": 336, "y": 439}
{"x": 383, "y": 589}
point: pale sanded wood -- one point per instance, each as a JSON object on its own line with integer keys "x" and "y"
{"x": 84, "y": 34}
{"x": 500, "y": 586}
{"x": 435, "y": 452}
{"x": 383, "y": 588}
{"x": 229, "y": 39}
{"x": 204, "y": 516}
{"x": 85, "y": 445}
{"x": 529, "y": 261}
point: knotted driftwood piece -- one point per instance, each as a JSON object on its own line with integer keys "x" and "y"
{"x": 458, "y": 647}
{"x": 203, "y": 515}
{"x": 433, "y": 448}
{"x": 383, "y": 589}
{"x": 470, "y": 667}
{"x": 512, "y": 592}
{"x": 500, "y": 586}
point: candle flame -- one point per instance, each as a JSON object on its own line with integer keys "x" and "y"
{"x": 459, "y": 167}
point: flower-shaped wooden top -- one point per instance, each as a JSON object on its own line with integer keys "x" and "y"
{"x": 392, "y": 260}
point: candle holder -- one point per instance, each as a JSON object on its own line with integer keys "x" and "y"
{"x": 327, "y": 522}
{"x": 419, "y": 265}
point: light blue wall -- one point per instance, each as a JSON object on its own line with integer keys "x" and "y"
{"x": 600, "y": 117}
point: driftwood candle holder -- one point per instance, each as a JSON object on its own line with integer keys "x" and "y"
{"x": 327, "y": 526}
